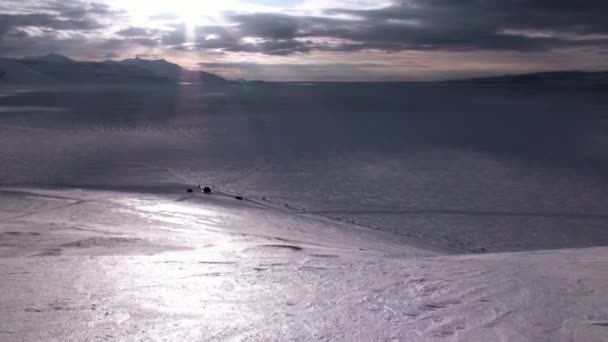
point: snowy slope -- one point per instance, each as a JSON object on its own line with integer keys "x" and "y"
{"x": 86, "y": 265}
{"x": 173, "y": 71}
{"x": 159, "y": 67}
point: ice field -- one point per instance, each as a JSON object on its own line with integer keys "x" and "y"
{"x": 372, "y": 212}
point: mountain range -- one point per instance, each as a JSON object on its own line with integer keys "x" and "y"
{"x": 54, "y": 68}
{"x": 550, "y": 77}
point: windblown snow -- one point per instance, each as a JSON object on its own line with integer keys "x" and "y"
{"x": 369, "y": 213}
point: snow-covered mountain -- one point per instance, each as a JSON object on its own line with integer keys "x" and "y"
{"x": 160, "y": 67}
{"x": 50, "y": 58}
{"x": 54, "y": 68}
{"x": 93, "y": 72}
{"x": 171, "y": 71}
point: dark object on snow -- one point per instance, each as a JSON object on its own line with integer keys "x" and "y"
{"x": 206, "y": 190}
{"x": 240, "y": 198}
{"x": 189, "y": 191}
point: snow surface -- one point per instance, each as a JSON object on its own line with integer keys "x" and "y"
{"x": 99, "y": 265}
{"x": 366, "y": 208}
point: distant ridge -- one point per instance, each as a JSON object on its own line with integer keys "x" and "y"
{"x": 550, "y": 77}
{"x": 55, "y": 68}
{"x": 51, "y": 58}
{"x": 171, "y": 71}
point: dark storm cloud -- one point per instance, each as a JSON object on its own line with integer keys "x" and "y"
{"x": 137, "y": 36}
{"x": 56, "y": 15}
{"x": 451, "y": 25}
{"x": 136, "y": 32}
{"x": 62, "y": 26}
{"x": 272, "y": 26}
{"x": 406, "y": 25}
{"x": 45, "y": 21}
{"x": 278, "y": 47}
{"x": 230, "y": 39}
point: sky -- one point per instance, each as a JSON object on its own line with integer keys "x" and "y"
{"x": 315, "y": 40}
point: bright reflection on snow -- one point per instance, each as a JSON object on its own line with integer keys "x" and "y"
{"x": 175, "y": 213}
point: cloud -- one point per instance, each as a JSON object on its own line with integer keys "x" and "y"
{"x": 267, "y": 25}
{"x": 46, "y": 21}
{"x": 409, "y": 25}
{"x": 56, "y": 15}
{"x": 137, "y": 32}
{"x": 447, "y": 25}
{"x": 528, "y": 27}
{"x": 37, "y": 27}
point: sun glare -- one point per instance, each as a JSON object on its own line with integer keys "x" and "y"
{"x": 193, "y": 12}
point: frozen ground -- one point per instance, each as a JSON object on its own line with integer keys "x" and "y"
{"x": 99, "y": 265}
{"x": 363, "y": 206}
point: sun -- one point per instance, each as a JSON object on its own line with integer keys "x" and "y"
{"x": 194, "y": 11}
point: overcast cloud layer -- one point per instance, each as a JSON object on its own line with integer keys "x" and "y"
{"x": 334, "y": 39}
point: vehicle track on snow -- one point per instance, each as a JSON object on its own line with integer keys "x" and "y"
{"x": 242, "y": 175}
